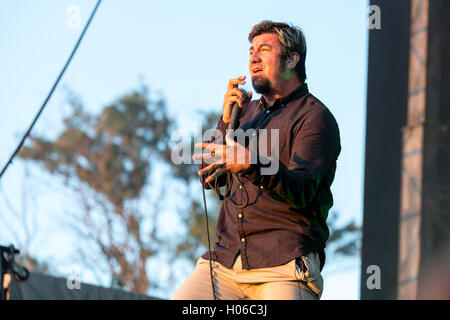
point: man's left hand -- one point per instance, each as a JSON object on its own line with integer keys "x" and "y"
{"x": 232, "y": 156}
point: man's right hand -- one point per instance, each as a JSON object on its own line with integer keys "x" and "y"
{"x": 234, "y": 94}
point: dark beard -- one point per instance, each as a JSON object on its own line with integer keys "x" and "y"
{"x": 261, "y": 85}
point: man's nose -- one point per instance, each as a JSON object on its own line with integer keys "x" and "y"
{"x": 254, "y": 58}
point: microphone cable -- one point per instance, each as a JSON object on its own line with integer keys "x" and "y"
{"x": 234, "y": 123}
{"x": 209, "y": 241}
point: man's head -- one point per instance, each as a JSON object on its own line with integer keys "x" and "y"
{"x": 276, "y": 50}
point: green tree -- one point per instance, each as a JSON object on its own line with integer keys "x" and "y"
{"x": 194, "y": 241}
{"x": 107, "y": 160}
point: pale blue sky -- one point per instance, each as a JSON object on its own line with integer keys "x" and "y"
{"x": 187, "y": 51}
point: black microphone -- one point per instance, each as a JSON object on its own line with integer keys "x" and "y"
{"x": 234, "y": 118}
{"x": 236, "y": 113}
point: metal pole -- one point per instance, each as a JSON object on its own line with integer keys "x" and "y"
{"x": 412, "y": 155}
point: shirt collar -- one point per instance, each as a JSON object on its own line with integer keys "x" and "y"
{"x": 299, "y": 92}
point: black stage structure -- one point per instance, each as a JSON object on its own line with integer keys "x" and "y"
{"x": 407, "y": 161}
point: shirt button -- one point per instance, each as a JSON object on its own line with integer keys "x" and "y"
{"x": 240, "y": 215}
{"x": 242, "y": 239}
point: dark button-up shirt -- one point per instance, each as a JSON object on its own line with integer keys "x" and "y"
{"x": 285, "y": 212}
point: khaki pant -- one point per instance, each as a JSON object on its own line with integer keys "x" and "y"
{"x": 285, "y": 282}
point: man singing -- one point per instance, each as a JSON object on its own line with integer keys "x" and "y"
{"x": 272, "y": 227}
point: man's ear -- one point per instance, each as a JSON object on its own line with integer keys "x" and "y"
{"x": 293, "y": 60}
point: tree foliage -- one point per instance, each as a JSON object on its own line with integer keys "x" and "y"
{"x": 344, "y": 240}
{"x": 194, "y": 241}
{"x": 107, "y": 160}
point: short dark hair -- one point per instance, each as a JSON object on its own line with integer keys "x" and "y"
{"x": 291, "y": 39}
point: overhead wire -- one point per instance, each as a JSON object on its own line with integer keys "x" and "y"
{"x": 49, "y": 95}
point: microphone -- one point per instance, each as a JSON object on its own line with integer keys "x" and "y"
{"x": 234, "y": 118}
